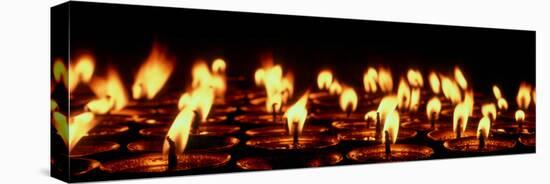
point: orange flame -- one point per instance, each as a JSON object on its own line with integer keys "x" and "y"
{"x": 110, "y": 92}
{"x": 415, "y": 78}
{"x": 460, "y": 117}
{"x": 324, "y": 79}
{"x": 369, "y": 80}
{"x": 433, "y": 108}
{"x": 489, "y": 110}
{"x": 469, "y": 100}
{"x": 297, "y": 113}
{"x": 391, "y": 124}
{"x": 451, "y": 90}
{"x": 404, "y": 95}
{"x": 61, "y": 126}
{"x": 348, "y": 100}
{"x": 179, "y": 131}
{"x": 200, "y": 99}
{"x": 153, "y": 74}
{"x": 385, "y": 80}
{"x": 520, "y": 115}
{"x": 218, "y": 66}
{"x": 524, "y": 96}
{"x": 496, "y": 92}
{"x": 60, "y": 72}
{"x": 335, "y": 88}
{"x": 434, "y": 83}
{"x": 483, "y": 127}
{"x": 386, "y": 106}
{"x": 502, "y": 104}
{"x": 79, "y": 126}
{"x": 460, "y": 79}
{"x": 278, "y": 89}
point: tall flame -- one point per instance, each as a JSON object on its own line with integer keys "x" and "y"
{"x": 496, "y": 92}
{"x": 415, "y": 78}
{"x": 324, "y": 79}
{"x": 460, "y": 117}
{"x": 404, "y": 95}
{"x": 153, "y": 74}
{"x": 79, "y": 126}
{"x": 460, "y": 79}
{"x": 386, "y": 106}
{"x": 179, "y": 131}
{"x": 415, "y": 99}
{"x": 278, "y": 89}
{"x": 451, "y": 90}
{"x": 391, "y": 124}
{"x": 385, "y": 80}
{"x": 434, "y": 82}
{"x": 489, "y": 110}
{"x": 369, "y": 80}
{"x": 348, "y": 100}
{"x": 200, "y": 99}
{"x": 433, "y": 108}
{"x": 297, "y": 113}
{"x": 524, "y": 96}
{"x": 483, "y": 127}
{"x": 110, "y": 92}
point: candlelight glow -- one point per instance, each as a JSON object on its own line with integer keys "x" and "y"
{"x": 434, "y": 83}
{"x": 60, "y": 72}
{"x": 534, "y": 96}
{"x": 502, "y": 104}
{"x": 153, "y": 74}
{"x": 203, "y": 78}
{"x": 469, "y": 101}
{"x": 451, "y": 90}
{"x": 415, "y": 99}
{"x": 259, "y": 77}
{"x": 460, "y": 79}
{"x": 179, "y": 131}
{"x": 371, "y": 115}
{"x": 218, "y": 66}
{"x": 53, "y": 105}
{"x": 79, "y": 126}
{"x": 391, "y": 124}
{"x": 483, "y": 127}
{"x": 520, "y": 115}
{"x": 489, "y": 110}
{"x": 200, "y": 100}
{"x": 386, "y": 106}
{"x": 369, "y": 80}
{"x": 496, "y": 92}
{"x": 297, "y": 113}
{"x": 84, "y": 68}
{"x": 460, "y": 117}
{"x": 278, "y": 89}
{"x": 404, "y": 95}
{"x": 61, "y": 126}
{"x": 524, "y": 96}
{"x": 324, "y": 79}
{"x": 385, "y": 80}
{"x": 110, "y": 92}
{"x": 415, "y": 78}
{"x": 335, "y": 88}
{"x": 348, "y": 100}
{"x": 433, "y": 108}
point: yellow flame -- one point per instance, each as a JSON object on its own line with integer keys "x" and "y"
{"x": 61, "y": 126}
{"x": 324, "y": 79}
{"x": 404, "y": 95}
{"x": 460, "y": 117}
{"x": 534, "y": 96}
{"x": 371, "y": 115}
{"x": 335, "y": 88}
{"x": 469, "y": 100}
{"x": 369, "y": 80}
{"x": 53, "y": 105}
{"x": 297, "y": 113}
{"x": 496, "y": 92}
{"x": 153, "y": 74}
{"x": 179, "y": 131}
{"x": 79, "y": 126}
{"x": 451, "y": 90}
{"x": 200, "y": 99}
{"x": 385, "y": 80}
{"x": 386, "y": 106}
{"x": 520, "y": 115}
{"x": 415, "y": 78}
{"x": 59, "y": 71}
{"x": 259, "y": 77}
{"x": 391, "y": 124}
{"x": 348, "y": 99}
{"x": 460, "y": 79}
{"x": 218, "y": 66}
{"x": 434, "y": 83}
{"x": 524, "y": 96}
{"x": 489, "y": 110}
{"x": 502, "y": 104}
{"x": 415, "y": 99}
{"x": 278, "y": 89}
{"x": 483, "y": 127}
{"x": 433, "y": 108}
{"x": 110, "y": 92}
{"x": 84, "y": 68}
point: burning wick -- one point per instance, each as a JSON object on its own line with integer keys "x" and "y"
{"x": 196, "y": 122}
{"x": 378, "y": 127}
{"x": 432, "y": 126}
{"x": 520, "y": 116}
{"x": 274, "y": 112}
{"x": 458, "y": 132}
{"x": 295, "y": 136}
{"x": 387, "y": 143}
{"x": 172, "y": 156}
{"x": 481, "y": 138}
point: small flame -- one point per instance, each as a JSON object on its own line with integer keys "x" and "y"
{"x": 84, "y": 68}
{"x": 110, "y": 92}
{"x": 259, "y": 77}
{"x": 348, "y": 100}
{"x": 218, "y": 66}
{"x": 324, "y": 79}
{"x": 460, "y": 79}
{"x": 415, "y": 78}
{"x": 496, "y": 92}
{"x": 385, "y": 80}
{"x": 520, "y": 115}
{"x": 489, "y": 110}
{"x": 433, "y": 108}
{"x": 434, "y": 83}
{"x": 200, "y": 99}
{"x": 179, "y": 131}
{"x": 371, "y": 115}
{"x": 502, "y": 104}
{"x": 483, "y": 127}
{"x": 451, "y": 90}
{"x": 79, "y": 126}
{"x": 524, "y": 96}
{"x": 386, "y": 106}
{"x": 415, "y": 99}
{"x": 404, "y": 95}
{"x": 391, "y": 124}
{"x": 297, "y": 113}
{"x": 60, "y": 72}
{"x": 335, "y": 88}
{"x": 61, "y": 126}
{"x": 460, "y": 117}
{"x": 153, "y": 74}
{"x": 369, "y": 80}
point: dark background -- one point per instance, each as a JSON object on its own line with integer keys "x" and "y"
{"x": 122, "y": 35}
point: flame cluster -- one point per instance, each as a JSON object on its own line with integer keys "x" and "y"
{"x": 278, "y": 88}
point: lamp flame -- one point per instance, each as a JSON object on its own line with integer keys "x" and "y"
{"x": 434, "y": 83}
{"x": 369, "y": 80}
{"x": 451, "y": 90}
{"x": 297, "y": 113}
{"x": 433, "y": 108}
{"x": 460, "y": 79}
{"x": 391, "y": 125}
{"x": 460, "y": 117}
{"x": 524, "y": 96}
{"x": 386, "y": 106}
{"x": 79, "y": 126}
{"x": 520, "y": 115}
{"x": 385, "y": 80}
{"x": 502, "y": 104}
{"x": 496, "y": 92}
{"x": 153, "y": 74}
{"x": 335, "y": 88}
{"x": 489, "y": 110}
{"x": 415, "y": 78}
{"x": 483, "y": 127}
{"x": 324, "y": 79}
{"x": 218, "y": 66}
{"x": 179, "y": 131}
{"x": 404, "y": 95}
{"x": 110, "y": 92}
{"x": 348, "y": 100}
